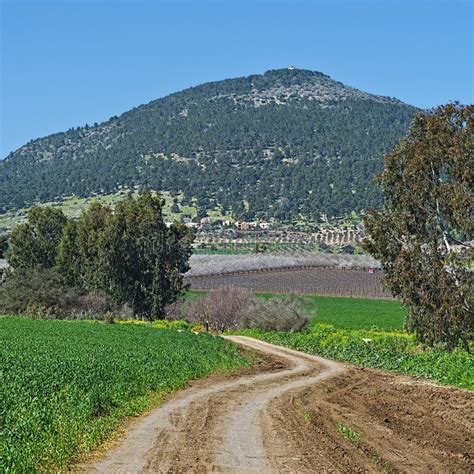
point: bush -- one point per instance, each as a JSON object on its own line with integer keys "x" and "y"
{"x": 89, "y": 306}
{"x": 219, "y": 309}
{"x": 277, "y": 314}
{"x": 233, "y": 308}
{"x": 179, "y": 311}
{"x": 42, "y": 289}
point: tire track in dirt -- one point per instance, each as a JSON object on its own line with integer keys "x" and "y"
{"x": 217, "y": 427}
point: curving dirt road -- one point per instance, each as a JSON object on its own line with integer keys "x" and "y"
{"x": 285, "y": 418}
{"x": 217, "y": 427}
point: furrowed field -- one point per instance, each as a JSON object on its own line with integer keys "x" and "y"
{"x": 321, "y": 281}
{"x": 65, "y": 386}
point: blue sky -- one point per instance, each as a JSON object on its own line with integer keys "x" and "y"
{"x": 70, "y": 62}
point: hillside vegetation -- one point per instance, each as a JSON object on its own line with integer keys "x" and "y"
{"x": 280, "y": 144}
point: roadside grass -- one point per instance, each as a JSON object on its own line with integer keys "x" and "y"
{"x": 67, "y": 385}
{"x": 368, "y": 333}
{"x": 393, "y": 351}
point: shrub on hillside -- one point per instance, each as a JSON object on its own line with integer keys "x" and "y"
{"x": 277, "y": 314}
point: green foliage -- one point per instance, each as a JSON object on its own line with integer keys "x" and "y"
{"x": 130, "y": 255}
{"x": 3, "y": 245}
{"x": 67, "y": 385}
{"x": 381, "y": 350}
{"x": 348, "y": 433}
{"x": 142, "y": 259}
{"x": 35, "y": 243}
{"x": 36, "y": 292}
{"x": 79, "y": 253}
{"x": 207, "y": 144}
{"x": 424, "y": 235}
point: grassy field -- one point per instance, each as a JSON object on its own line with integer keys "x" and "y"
{"x": 357, "y": 313}
{"x": 347, "y": 313}
{"x": 66, "y": 386}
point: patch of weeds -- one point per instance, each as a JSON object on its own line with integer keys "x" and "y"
{"x": 308, "y": 417}
{"x": 348, "y": 433}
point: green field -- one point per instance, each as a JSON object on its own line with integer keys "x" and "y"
{"x": 66, "y": 386}
{"x": 347, "y": 313}
{"x": 356, "y": 313}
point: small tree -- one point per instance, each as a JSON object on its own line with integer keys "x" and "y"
{"x": 423, "y": 236}
{"x": 35, "y": 243}
{"x": 219, "y": 309}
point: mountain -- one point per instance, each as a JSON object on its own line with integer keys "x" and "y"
{"x": 285, "y": 143}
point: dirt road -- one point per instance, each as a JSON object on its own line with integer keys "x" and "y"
{"x": 293, "y": 415}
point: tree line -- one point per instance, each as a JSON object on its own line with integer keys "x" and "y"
{"x": 128, "y": 255}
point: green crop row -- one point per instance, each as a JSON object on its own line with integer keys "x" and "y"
{"x": 65, "y": 385}
{"x": 394, "y": 351}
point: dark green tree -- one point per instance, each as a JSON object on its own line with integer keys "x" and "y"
{"x": 3, "y": 245}
{"x": 79, "y": 254}
{"x": 34, "y": 244}
{"x": 424, "y": 234}
{"x": 143, "y": 260}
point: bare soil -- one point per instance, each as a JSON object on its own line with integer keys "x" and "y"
{"x": 284, "y": 416}
{"x": 403, "y": 425}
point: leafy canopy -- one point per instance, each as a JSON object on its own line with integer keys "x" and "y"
{"x": 130, "y": 255}
{"x": 424, "y": 234}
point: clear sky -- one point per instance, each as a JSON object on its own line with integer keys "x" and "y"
{"x": 66, "y": 63}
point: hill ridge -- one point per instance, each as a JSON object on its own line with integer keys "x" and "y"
{"x": 245, "y": 145}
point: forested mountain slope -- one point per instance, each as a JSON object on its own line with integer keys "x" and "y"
{"x": 280, "y": 144}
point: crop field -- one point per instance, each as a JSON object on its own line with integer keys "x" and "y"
{"x": 66, "y": 386}
{"x": 320, "y": 281}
